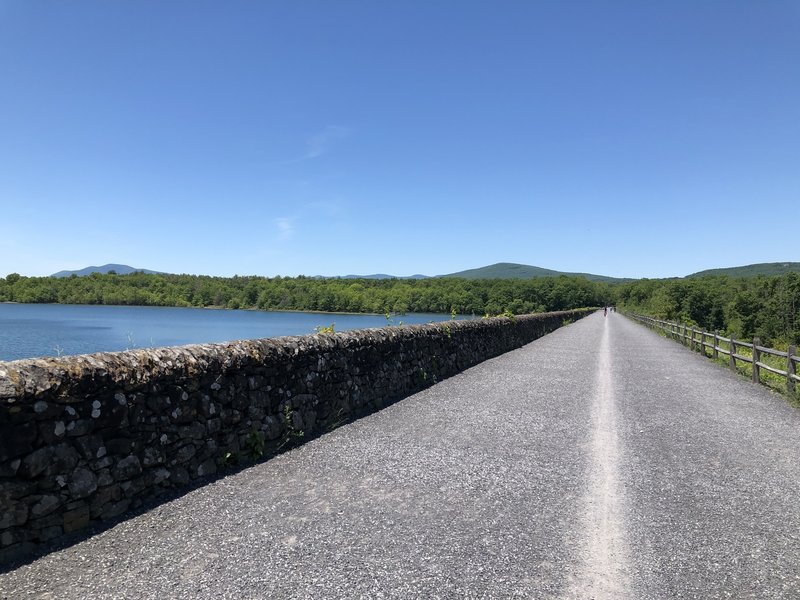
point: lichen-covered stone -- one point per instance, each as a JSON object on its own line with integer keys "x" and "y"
{"x": 83, "y": 483}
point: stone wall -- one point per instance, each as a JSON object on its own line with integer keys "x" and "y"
{"x": 85, "y": 438}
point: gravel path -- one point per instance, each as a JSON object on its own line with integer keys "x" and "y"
{"x": 600, "y": 461}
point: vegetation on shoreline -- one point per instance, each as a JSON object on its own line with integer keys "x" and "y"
{"x": 440, "y": 295}
{"x": 767, "y": 307}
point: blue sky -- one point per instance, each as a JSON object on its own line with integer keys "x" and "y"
{"x": 634, "y": 139}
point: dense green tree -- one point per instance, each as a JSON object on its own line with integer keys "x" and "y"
{"x": 764, "y": 307}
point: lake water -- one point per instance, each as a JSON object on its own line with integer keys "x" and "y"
{"x": 32, "y": 330}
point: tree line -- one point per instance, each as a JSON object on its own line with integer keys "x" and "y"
{"x": 763, "y": 307}
{"x": 766, "y": 307}
{"x": 439, "y": 295}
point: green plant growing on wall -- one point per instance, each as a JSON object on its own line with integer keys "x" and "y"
{"x": 390, "y": 321}
{"x": 329, "y": 330}
{"x": 506, "y": 314}
{"x": 228, "y": 459}
{"x": 291, "y": 433}
{"x": 337, "y": 422}
{"x": 255, "y": 444}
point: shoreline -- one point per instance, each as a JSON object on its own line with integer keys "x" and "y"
{"x": 287, "y": 310}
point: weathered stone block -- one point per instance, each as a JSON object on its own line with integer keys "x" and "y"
{"x": 153, "y": 455}
{"x": 79, "y": 427}
{"x": 134, "y": 486}
{"x": 195, "y": 431}
{"x": 9, "y": 468}
{"x": 7, "y": 538}
{"x": 184, "y": 454}
{"x": 115, "y": 509}
{"x": 83, "y": 483}
{"x": 213, "y": 426}
{"x": 16, "y": 515}
{"x": 16, "y": 440}
{"x": 111, "y": 415}
{"x": 103, "y": 497}
{"x": 102, "y": 463}
{"x": 180, "y": 476}
{"x": 160, "y": 475}
{"x": 120, "y": 445}
{"x": 50, "y": 533}
{"x": 45, "y": 505}
{"x": 76, "y": 519}
{"x": 15, "y": 488}
{"x": 207, "y": 467}
{"x": 104, "y": 478}
{"x": 36, "y": 462}
{"x": 127, "y": 468}
{"x": 88, "y": 446}
{"x": 63, "y": 460}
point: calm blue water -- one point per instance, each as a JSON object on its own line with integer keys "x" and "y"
{"x": 32, "y": 330}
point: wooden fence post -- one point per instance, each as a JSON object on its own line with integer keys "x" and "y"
{"x": 715, "y": 352}
{"x": 702, "y": 342}
{"x": 756, "y": 356}
{"x": 790, "y": 368}
{"x": 683, "y": 336}
{"x": 733, "y": 352}
{"x": 691, "y": 344}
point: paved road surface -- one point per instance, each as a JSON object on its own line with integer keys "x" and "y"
{"x": 601, "y": 461}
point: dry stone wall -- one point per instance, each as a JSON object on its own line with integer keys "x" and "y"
{"x": 83, "y": 439}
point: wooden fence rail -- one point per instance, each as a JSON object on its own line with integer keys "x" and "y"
{"x": 700, "y": 340}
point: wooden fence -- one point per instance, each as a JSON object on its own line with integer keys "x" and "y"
{"x": 701, "y": 341}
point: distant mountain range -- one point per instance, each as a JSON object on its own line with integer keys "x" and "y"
{"x": 497, "y": 271}
{"x": 118, "y": 269}
{"x": 753, "y": 270}
{"x": 517, "y": 271}
{"x": 376, "y": 276}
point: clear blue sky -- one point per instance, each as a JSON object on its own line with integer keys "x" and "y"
{"x": 635, "y": 139}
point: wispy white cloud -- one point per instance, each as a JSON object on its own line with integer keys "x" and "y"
{"x": 285, "y": 227}
{"x": 320, "y": 143}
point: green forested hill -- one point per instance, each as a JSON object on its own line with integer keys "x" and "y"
{"x": 753, "y": 270}
{"x": 118, "y": 269}
{"x": 518, "y": 271}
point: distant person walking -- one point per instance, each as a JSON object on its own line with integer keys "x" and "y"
{"x": 605, "y": 311}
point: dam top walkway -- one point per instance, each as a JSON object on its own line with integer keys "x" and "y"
{"x": 600, "y": 461}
